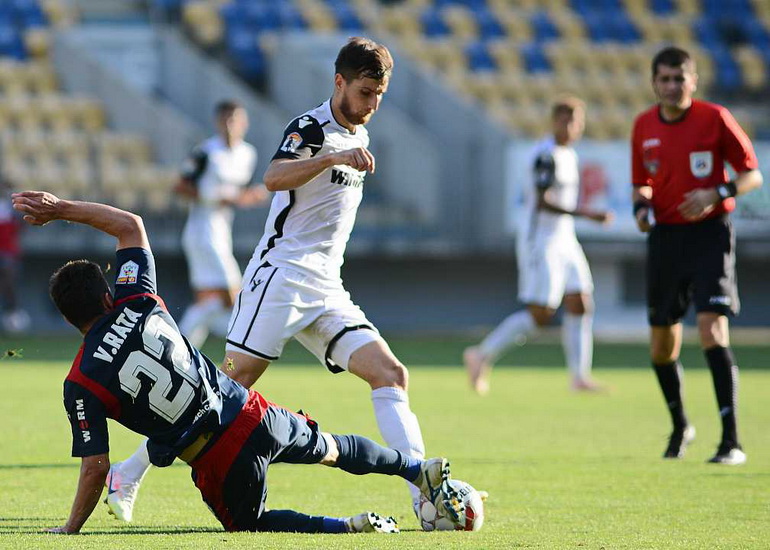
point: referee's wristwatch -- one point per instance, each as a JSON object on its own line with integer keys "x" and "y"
{"x": 727, "y": 190}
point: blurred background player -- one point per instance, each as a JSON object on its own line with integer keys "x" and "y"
{"x": 552, "y": 265}
{"x": 219, "y": 175}
{"x": 292, "y": 286}
{"x": 13, "y": 319}
{"x": 679, "y": 148}
{"x": 228, "y": 435}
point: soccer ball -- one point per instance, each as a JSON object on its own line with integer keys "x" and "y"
{"x": 471, "y": 519}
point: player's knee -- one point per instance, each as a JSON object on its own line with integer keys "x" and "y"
{"x": 390, "y": 374}
{"x": 661, "y": 353}
{"x": 542, "y": 316}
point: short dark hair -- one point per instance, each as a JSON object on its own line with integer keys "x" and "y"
{"x": 77, "y": 289}
{"x": 567, "y": 104}
{"x": 227, "y": 106}
{"x": 363, "y": 58}
{"x": 671, "y": 57}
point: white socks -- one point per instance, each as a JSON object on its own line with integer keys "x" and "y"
{"x": 578, "y": 342}
{"x": 398, "y": 425}
{"x": 514, "y": 327}
{"x": 136, "y": 465}
{"x": 199, "y": 317}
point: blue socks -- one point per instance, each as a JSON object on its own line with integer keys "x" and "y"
{"x": 360, "y": 455}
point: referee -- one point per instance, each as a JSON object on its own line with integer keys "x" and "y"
{"x": 679, "y": 148}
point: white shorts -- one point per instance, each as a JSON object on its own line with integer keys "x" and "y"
{"x": 210, "y": 260}
{"x": 276, "y": 304}
{"x": 550, "y": 269}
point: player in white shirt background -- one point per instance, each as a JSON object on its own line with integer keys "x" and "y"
{"x": 292, "y": 287}
{"x": 218, "y": 176}
{"x": 552, "y": 266}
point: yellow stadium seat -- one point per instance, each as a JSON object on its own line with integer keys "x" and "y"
{"x": 506, "y": 55}
{"x": 461, "y": 22}
{"x": 752, "y": 67}
{"x": 400, "y": 22}
{"x": 40, "y": 78}
{"x": 688, "y": 7}
{"x": 570, "y": 26}
{"x": 37, "y": 41}
{"x": 516, "y": 27}
{"x": 88, "y": 113}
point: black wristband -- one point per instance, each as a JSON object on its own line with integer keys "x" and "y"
{"x": 638, "y": 205}
{"x": 727, "y": 190}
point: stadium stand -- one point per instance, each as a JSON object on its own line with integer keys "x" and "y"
{"x": 56, "y": 141}
{"x": 497, "y": 52}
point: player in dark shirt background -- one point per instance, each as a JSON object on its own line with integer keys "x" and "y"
{"x": 679, "y": 148}
{"x": 135, "y": 367}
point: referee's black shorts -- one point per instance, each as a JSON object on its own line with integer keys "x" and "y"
{"x": 691, "y": 262}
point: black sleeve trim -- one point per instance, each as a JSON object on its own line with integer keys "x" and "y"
{"x": 302, "y": 139}
{"x": 195, "y": 165}
{"x": 545, "y": 171}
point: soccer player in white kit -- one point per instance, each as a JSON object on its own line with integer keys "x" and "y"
{"x": 292, "y": 287}
{"x": 219, "y": 175}
{"x": 552, "y": 265}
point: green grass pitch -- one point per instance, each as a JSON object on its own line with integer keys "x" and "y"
{"x": 563, "y": 470}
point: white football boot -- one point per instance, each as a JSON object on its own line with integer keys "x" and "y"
{"x": 369, "y": 522}
{"x": 121, "y": 494}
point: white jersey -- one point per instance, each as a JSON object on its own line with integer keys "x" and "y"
{"x": 308, "y": 228}
{"x": 555, "y": 168}
{"x": 218, "y": 172}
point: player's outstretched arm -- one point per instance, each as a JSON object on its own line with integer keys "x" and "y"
{"x": 601, "y": 216}
{"x": 40, "y": 207}
{"x": 286, "y": 174}
{"x": 93, "y": 472}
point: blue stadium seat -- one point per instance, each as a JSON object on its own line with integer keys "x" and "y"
{"x": 11, "y": 44}
{"x": 241, "y": 43}
{"x": 168, "y": 5}
{"x": 756, "y": 34}
{"x": 733, "y": 8}
{"x": 433, "y": 25}
{"x": 347, "y": 19}
{"x": 471, "y": 4}
{"x": 289, "y": 16}
{"x": 489, "y": 27}
{"x": 543, "y": 28}
{"x": 479, "y": 58}
{"x": 535, "y": 60}
{"x": 662, "y": 7}
{"x": 706, "y": 32}
{"x": 728, "y": 73}
{"x": 30, "y": 14}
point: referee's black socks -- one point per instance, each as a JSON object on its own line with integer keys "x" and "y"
{"x": 670, "y": 380}
{"x": 724, "y": 373}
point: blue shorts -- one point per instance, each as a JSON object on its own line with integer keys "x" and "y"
{"x": 232, "y": 474}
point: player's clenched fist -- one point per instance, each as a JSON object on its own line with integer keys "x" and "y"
{"x": 359, "y": 158}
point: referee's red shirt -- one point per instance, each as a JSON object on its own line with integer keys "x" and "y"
{"x": 689, "y": 153}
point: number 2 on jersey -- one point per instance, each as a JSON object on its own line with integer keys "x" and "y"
{"x": 157, "y": 335}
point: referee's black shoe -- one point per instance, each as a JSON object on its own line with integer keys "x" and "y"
{"x": 729, "y": 453}
{"x": 677, "y": 443}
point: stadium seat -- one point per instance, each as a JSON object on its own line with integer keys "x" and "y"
{"x": 535, "y": 60}
{"x": 461, "y": 22}
{"x": 479, "y": 57}
{"x": 488, "y": 24}
{"x": 433, "y": 24}
{"x": 544, "y": 30}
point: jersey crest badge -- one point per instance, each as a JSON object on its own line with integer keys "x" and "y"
{"x": 701, "y": 164}
{"x": 129, "y": 272}
{"x": 291, "y": 143}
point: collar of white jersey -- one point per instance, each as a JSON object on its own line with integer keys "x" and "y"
{"x": 327, "y": 106}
